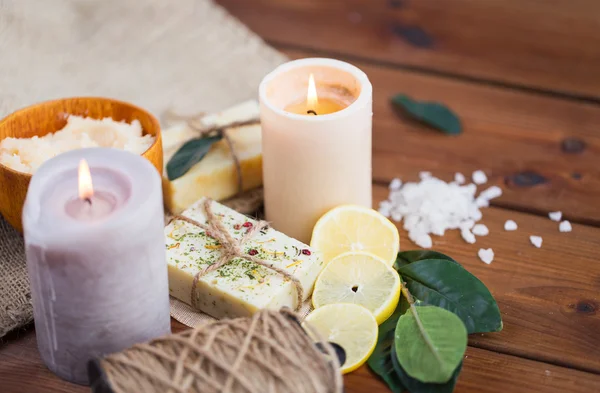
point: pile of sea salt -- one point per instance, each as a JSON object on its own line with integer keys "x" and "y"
{"x": 432, "y": 206}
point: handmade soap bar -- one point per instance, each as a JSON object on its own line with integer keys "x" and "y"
{"x": 241, "y": 287}
{"x": 216, "y": 175}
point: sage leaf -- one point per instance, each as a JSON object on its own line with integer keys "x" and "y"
{"x": 439, "y": 282}
{"x": 189, "y": 155}
{"x": 406, "y": 257}
{"x": 415, "y": 386}
{"x": 430, "y": 343}
{"x": 434, "y": 114}
{"x": 381, "y": 360}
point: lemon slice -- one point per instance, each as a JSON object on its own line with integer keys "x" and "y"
{"x": 359, "y": 278}
{"x": 355, "y": 228}
{"x": 351, "y": 326}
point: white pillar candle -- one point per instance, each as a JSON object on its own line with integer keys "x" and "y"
{"x": 316, "y": 152}
{"x": 96, "y": 258}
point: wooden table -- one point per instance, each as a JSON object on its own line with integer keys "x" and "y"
{"x": 523, "y": 75}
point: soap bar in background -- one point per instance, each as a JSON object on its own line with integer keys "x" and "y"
{"x": 241, "y": 287}
{"x": 215, "y": 176}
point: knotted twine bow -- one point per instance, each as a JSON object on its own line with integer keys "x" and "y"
{"x": 233, "y": 248}
{"x": 195, "y": 123}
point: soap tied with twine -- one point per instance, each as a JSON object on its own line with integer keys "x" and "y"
{"x": 233, "y": 248}
{"x": 194, "y": 150}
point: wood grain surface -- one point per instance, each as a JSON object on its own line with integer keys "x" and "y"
{"x": 51, "y": 116}
{"x": 517, "y": 138}
{"x": 551, "y": 45}
{"x": 523, "y": 77}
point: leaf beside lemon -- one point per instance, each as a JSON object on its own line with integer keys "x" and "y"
{"x": 359, "y": 278}
{"x": 355, "y": 228}
{"x": 351, "y": 326}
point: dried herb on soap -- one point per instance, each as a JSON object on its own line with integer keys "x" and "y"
{"x": 434, "y": 114}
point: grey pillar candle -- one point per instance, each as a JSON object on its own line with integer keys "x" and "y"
{"x": 96, "y": 261}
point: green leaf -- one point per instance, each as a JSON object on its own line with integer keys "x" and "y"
{"x": 381, "y": 359}
{"x": 189, "y": 155}
{"x": 416, "y": 386}
{"x": 430, "y": 343}
{"x": 438, "y": 282}
{"x": 434, "y": 114}
{"x": 407, "y": 257}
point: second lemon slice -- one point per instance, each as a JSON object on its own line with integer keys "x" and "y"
{"x": 355, "y": 228}
{"x": 359, "y": 278}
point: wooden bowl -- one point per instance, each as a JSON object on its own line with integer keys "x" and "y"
{"x": 51, "y": 116}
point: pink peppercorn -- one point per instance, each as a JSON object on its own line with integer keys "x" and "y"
{"x": 237, "y": 226}
{"x": 252, "y": 252}
{"x": 247, "y": 224}
{"x": 306, "y": 252}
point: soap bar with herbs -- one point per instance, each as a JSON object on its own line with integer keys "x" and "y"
{"x": 215, "y": 176}
{"x": 241, "y": 287}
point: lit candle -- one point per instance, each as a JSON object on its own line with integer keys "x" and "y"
{"x": 96, "y": 257}
{"x": 316, "y": 141}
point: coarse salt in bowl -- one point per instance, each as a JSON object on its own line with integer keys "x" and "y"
{"x": 85, "y": 122}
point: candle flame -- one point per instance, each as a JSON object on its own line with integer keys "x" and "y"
{"x": 86, "y": 190}
{"x": 311, "y": 97}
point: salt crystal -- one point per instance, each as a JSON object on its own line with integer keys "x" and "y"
{"x": 491, "y": 193}
{"x": 565, "y": 226}
{"x": 395, "y": 184}
{"x": 555, "y": 216}
{"x": 510, "y": 225}
{"x": 476, "y": 214}
{"x": 432, "y": 206}
{"x": 486, "y": 256}
{"x": 424, "y": 241}
{"x": 467, "y": 236}
{"x": 467, "y": 224}
{"x": 424, "y": 175}
{"x": 459, "y": 178}
{"x": 384, "y": 208}
{"x": 480, "y": 230}
{"x": 479, "y": 177}
{"x": 482, "y": 202}
{"x": 536, "y": 241}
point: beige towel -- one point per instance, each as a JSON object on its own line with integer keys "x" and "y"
{"x": 184, "y": 55}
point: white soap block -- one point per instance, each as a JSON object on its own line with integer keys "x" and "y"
{"x": 241, "y": 287}
{"x": 215, "y": 176}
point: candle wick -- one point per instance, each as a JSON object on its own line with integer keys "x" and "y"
{"x": 310, "y": 111}
{"x": 88, "y": 200}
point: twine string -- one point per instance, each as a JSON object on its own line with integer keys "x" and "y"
{"x": 232, "y": 361}
{"x": 233, "y": 248}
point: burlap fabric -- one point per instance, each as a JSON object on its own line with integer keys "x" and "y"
{"x": 184, "y": 55}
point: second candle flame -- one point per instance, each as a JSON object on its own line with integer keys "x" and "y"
{"x": 311, "y": 97}
{"x": 86, "y": 189}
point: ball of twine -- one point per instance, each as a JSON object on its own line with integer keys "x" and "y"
{"x": 269, "y": 352}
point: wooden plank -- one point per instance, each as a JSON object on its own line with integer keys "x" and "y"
{"x": 549, "y": 297}
{"x": 21, "y": 370}
{"x": 552, "y": 45}
{"x": 490, "y": 372}
{"x": 513, "y": 136}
